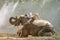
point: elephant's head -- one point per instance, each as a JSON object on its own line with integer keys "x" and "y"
{"x": 16, "y": 21}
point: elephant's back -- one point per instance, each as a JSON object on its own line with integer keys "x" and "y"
{"x": 42, "y": 23}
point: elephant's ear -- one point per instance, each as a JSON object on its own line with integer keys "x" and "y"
{"x": 13, "y": 20}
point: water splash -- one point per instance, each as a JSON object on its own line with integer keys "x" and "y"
{"x": 14, "y": 6}
{"x": 6, "y": 9}
{"x": 45, "y": 2}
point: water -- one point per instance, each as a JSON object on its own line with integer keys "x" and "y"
{"x": 6, "y": 10}
{"x": 14, "y": 6}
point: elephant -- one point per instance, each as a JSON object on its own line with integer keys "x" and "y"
{"x": 36, "y": 28}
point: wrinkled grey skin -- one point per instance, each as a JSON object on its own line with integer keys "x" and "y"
{"x": 31, "y": 29}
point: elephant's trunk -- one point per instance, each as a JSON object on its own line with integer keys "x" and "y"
{"x": 13, "y": 22}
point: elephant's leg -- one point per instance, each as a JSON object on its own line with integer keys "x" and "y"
{"x": 19, "y": 33}
{"x": 47, "y": 34}
{"x": 34, "y": 32}
{"x": 24, "y": 33}
{"x": 40, "y": 33}
{"x": 46, "y": 31}
{"x": 49, "y": 30}
{"x": 53, "y": 31}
